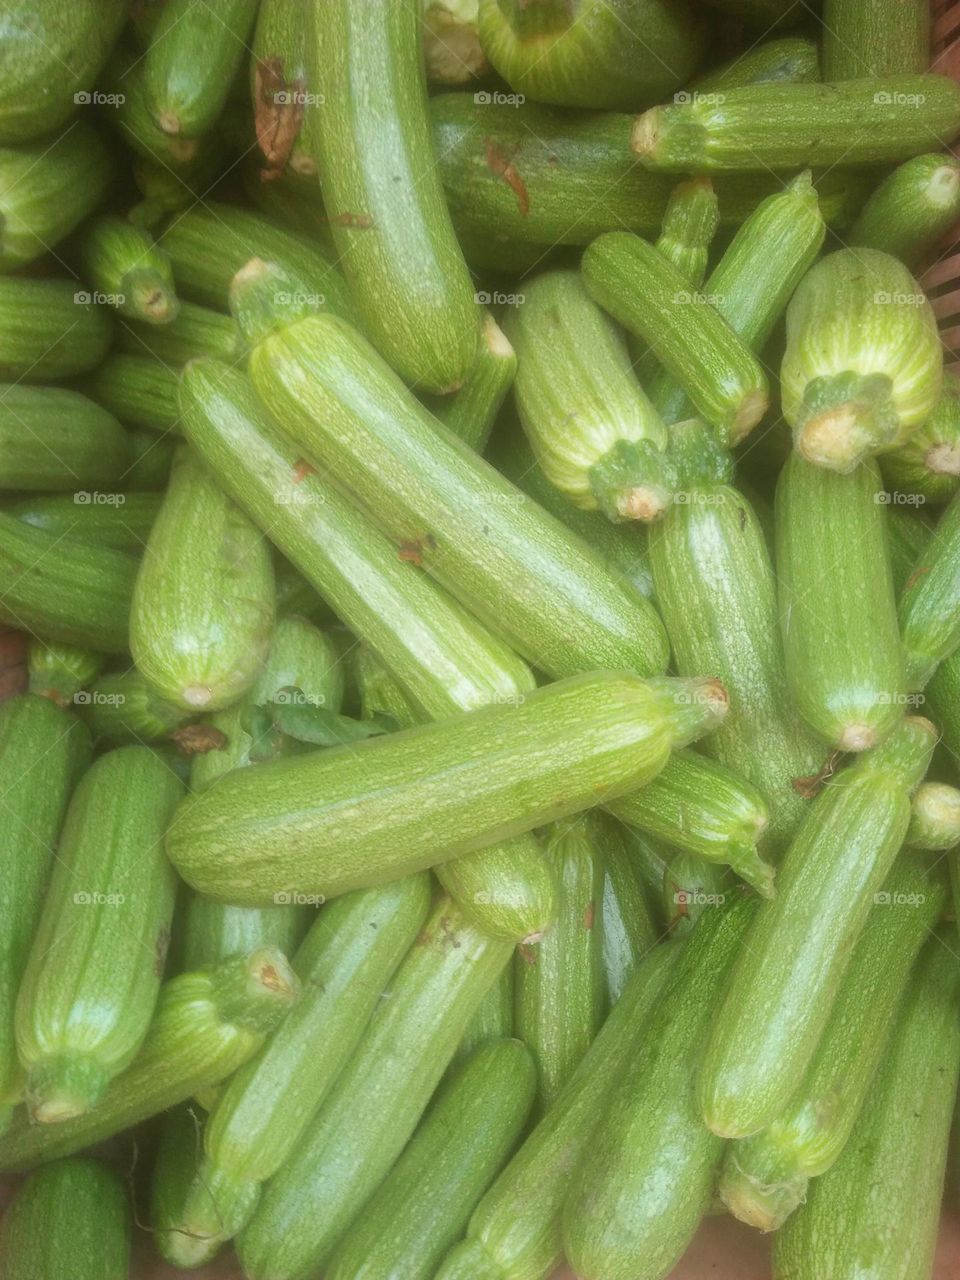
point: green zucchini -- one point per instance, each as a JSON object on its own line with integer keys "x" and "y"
{"x": 462, "y": 1144}
{"x": 89, "y": 1204}
{"x": 765, "y": 1177}
{"x": 928, "y": 606}
{"x": 451, "y": 43}
{"x": 689, "y": 225}
{"x": 330, "y": 821}
{"x": 46, "y": 189}
{"x": 179, "y": 1150}
{"x": 140, "y": 391}
{"x": 122, "y": 708}
{"x": 64, "y": 590}
{"x": 650, "y": 860}
{"x": 914, "y": 207}
{"x": 390, "y": 224}
{"x": 792, "y": 59}
{"x": 278, "y": 70}
{"x": 91, "y": 981}
{"x": 907, "y": 534}
{"x": 290, "y": 202}
{"x": 493, "y": 1019}
{"x": 196, "y": 331}
{"x": 264, "y": 1112}
{"x": 123, "y": 522}
{"x": 124, "y": 91}
{"x": 59, "y": 671}
{"x": 207, "y": 932}
{"x": 716, "y": 590}
{"x": 49, "y": 330}
{"x": 878, "y": 38}
{"x": 705, "y": 809}
{"x": 691, "y": 887}
{"x": 584, "y": 54}
{"x": 376, "y": 1102}
{"x": 51, "y": 55}
{"x": 943, "y": 698}
{"x": 43, "y": 750}
{"x": 514, "y": 1233}
{"x": 629, "y": 927}
{"x": 502, "y": 557}
{"x": 186, "y": 94}
{"x": 888, "y": 1183}
{"x": 51, "y": 438}
{"x": 927, "y": 465}
{"x": 785, "y": 981}
{"x": 647, "y": 294}
{"x": 595, "y": 434}
{"x": 203, "y": 605}
{"x": 792, "y": 126}
{"x": 837, "y": 608}
{"x": 128, "y": 271}
{"x": 166, "y": 189}
{"x": 560, "y": 987}
{"x": 863, "y": 364}
{"x": 647, "y": 1176}
{"x": 763, "y": 13}
{"x": 152, "y": 458}
{"x": 471, "y": 412}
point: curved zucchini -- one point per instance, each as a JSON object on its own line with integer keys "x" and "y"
{"x": 649, "y": 296}
{"x": 140, "y": 391}
{"x": 595, "y": 434}
{"x": 59, "y": 671}
{"x": 196, "y": 331}
{"x": 49, "y": 330}
{"x": 929, "y": 606}
{"x": 128, "y": 270}
{"x": 792, "y": 59}
{"x": 689, "y": 225}
{"x": 121, "y": 708}
{"x": 863, "y": 364}
{"x": 928, "y": 464}
{"x": 785, "y": 981}
{"x": 877, "y": 39}
{"x": 203, "y": 605}
{"x": 383, "y": 196}
{"x": 51, "y": 438}
{"x": 837, "y": 607}
{"x": 471, "y": 412}
{"x": 912, "y": 209}
{"x": 630, "y": 930}
{"x": 124, "y": 522}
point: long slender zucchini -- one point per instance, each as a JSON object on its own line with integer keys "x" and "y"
{"x": 128, "y": 270}
{"x": 140, "y": 391}
{"x": 203, "y": 605}
{"x": 595, "y": 434}
{"x": 912, "y": 209}
{"x": 60, "y": 671}
{"x": 207, "y": 1024}
{"x": 796, "y": 953}
{"x": 877, "y": 38}
{"x": 765, "y": 1177}
{"x": 123, "y": 522}
{"x": 791, "y": 126}
{"x": 89, "y": 1204}
{"x": 196, "y": 331}
{"x": 427, "y": 1198}
{"x": 792, "y": 59}
{"x": 502, "y": 557}
{"x": 837, "y": 608}
{"x": 647, "y": 1175}
{"x": 629, "y": 927}
{"x": 56, "y": 439}
{"x": 898, "y": 1156}
{"x": 929, "y": 606}
{"x": 647, "y": 294}
{"x": 560, "y": 989}
{"x": 471, "y": 412}
{"x": 49, "y": 330}
{"x": 514, "y": 1233}
{"x": 42, "y": 752}
{"x": 928, "y": 463}
{"x": 375, "y": 1105}
{"x": 383, "y": 195}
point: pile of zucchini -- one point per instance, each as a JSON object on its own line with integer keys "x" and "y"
{"x": 480, "y": 485}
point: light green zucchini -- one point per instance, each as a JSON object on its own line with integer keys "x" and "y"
{"x": 119, "y": 520}
{"x": 689, "y": 224}
{"x": 630, "y": 929}
{"x": 793, "y": 59}
{"x": 908, "y": 532}
{"x": 59, "y": 671}
{"x": 929, "y": 605}
{"x": 195, "y": 331}
{"x": 122, "y": 708}
{"x": 138, "y": 390}
{"x": 49, "y": 329}
{"x": 927, "y": 465}
{"x": 471, "y": 412}
{"x": 692, "y": 886}
{"x": 207, "y": 932}
{"x": 128, "y": 271}
{"x": 51, "y": 438}
{"x": 875, "y": 38}
{"x": 913, "y": 208}
{"x": 493, "y": 1019}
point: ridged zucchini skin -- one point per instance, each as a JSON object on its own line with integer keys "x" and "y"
{"x": 446, "y": 660}
{"x": 471, "y": 412}
{"x": 264, "y": 1112}
{"x": 792, "y": 59}
{"x": 928, "y": 464}
{"x": 49, "y": 329}
{"x": 51, "y": 438}
{"x": 123, "y": 524}
{"x": 332, "y": 821}
{"x": 426, "y": 1200}
{"x": 877, "y": 38}
{"x": 835, "y": 582}
{"x": 689, "y": 224}
{"x": 122, "y": 709}
{"x": 514, "y": 1233}
{"x": 59, "y": 671}
{"x": 912, "y": 209}
{"x": 46, "y": 189}
{"x": 92, "y": 977}
{"x": 560, "y": 996}
{"x": 64, "y": 590}
{"x": 629, "y": 928}
{"x": 791, "y": 126}
{"x": 583, "y": 54}
{"x": 649, "y": 296}
{"x": 196, "y": 331}
{"x": 49, "y": 54}
{"x": 503, "y": 558}
{"x": 138, "y": 390}
{"x": 929, "y": 605}
{"x": 863, "y": 364}
{"x": 592, "y": 429}
{"x": 207, "y": 1024}
{"x": 186, "y": 93}
{"x": 765, "y": 1177}
{"x": 43, "y": 751}
{"x": 785, "y": 982}
{"x": 91, "y": 1240}
{"x": 377, "y": 1101}
{"x": 647, "y": 1175}
{"x": 122, "y": 263}
{"x": 897, "y": 1156}
{"x": 203, "y": 605}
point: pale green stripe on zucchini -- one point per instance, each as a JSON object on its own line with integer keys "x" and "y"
{"x": 879, "y": 38}
{"x": 792, "y": 59}
{"x": 912, "y": 209}
{"x": 128, "y": 271}
{"x": 49, "y": 330}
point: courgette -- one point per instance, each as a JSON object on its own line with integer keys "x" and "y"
{"x": 793, "y": 126}
{"x": 793, "y": 59}
{"x": 879, "y": 38}
{"x": 785, "y": 981}
{"x": 203, "y": 606}
{"x": 595, "y": 434}
{"x": 125, "y": 91}
{"x": 123, "y": 522}
{"x": 928, "y": 606}
{"x": 691, "y": 887}
{"x": 138, "y": 390}
{"x": 689, "y": 225}
{"x": 278, "y": 84}
{"x": 128, "y": 270}
{"x": 121, "y": 708}
{"x": 59, "y": 671}
{"x": 376, "y": 1102}
{"x": 493, "y": 1019}
{"x": 207, "y": 932}
{"x": 196, "y": 331}
{"x": 629, "y": 927}
{"x": 898, "y": 1156}
{"x": 907, "y": 535}
{"x": 471, "y": 412}
{"x": 927, "y": 465}
{"x": 91, "y": 980}
{"x": 51, "y": 438}
{"x": 451, "y": 43}
{"x": 912, "y": 209}
{"x": 502, "y": 557}
{"x": 49, "y": 330}
{"x": 152, "y": 458}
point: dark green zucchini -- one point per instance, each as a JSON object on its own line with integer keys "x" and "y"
{"x": 792, "y": 59}
{"x": 123, "y": 522}
{"x": 49, "y": 329}
{"x": 138, "y": 390}
{"x": 152, "y": 458}
{"x": 196, "y": 331}
{"x": 929, "y": 605}
{"x": 913, "y": 208}
{"x": 875, "y": 38}
{"x": 60, "y": 671}
{"x": 51, "y": 438}
{"x": 128, "y": 271}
